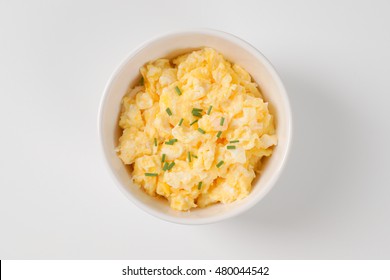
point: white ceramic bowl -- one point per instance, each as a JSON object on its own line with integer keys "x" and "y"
{"x": 171, "y": 45}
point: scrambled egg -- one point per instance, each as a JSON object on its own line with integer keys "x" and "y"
{"x": 195, "y": 130}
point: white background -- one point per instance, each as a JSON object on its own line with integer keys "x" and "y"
{"x": 57, "y": 200}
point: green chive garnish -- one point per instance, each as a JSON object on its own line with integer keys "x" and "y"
{"x": 141, "y": 81}
{"x": 234, "y": 141}
{"x": 220, "y": 163}
{"x": 151, "y": 174}
{"x": 189, "y": 156}
{"x": 209, "y": 110}
{"x": 166, "y": 165}
{"x": 169, "y": 112}
{"x": 171, "y": 142}
{"x": 178, "y": 91}
{"x": 219, "y": 134}
{"x": 163, "y": 157}
{"x": 222, "y": 121}
{"x": 195, "y": 121}
{"x": 231, "y": 147}
{"x": 181, "y": 121}
{"x": 201, "y": 130}
{"x": 196, "y": 112}
{"x": 171, "y": 165}
{"x": 194, "y": 156}
{"x": 199, "y": 185}
{"x": 155, "y": 142}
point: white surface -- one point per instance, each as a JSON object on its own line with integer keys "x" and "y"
{"x": 234, "y": 49}
{"x": 58, "y": 201}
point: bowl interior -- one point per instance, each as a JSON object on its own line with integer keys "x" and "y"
{"x": 235, "y": 50}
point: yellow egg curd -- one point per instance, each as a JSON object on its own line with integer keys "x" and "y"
{"x": 195, "y": 130}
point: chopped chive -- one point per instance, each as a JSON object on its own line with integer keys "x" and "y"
{"x": 178, "y": 91}
{"x": 231, "y": 147}
{"x": 220, "y": 163}
{"x": 194, "y": 156}
{"x": 181, "y": 121}
{"x": 155, "y": 142}
{"x": 209, "y": 110}
{"x": 169, "y": 112}
{"x": 199, "y": 185}
{"x": 196, "y": 114}
{"x": 222, "y": 121}
{"x": 234, "y": 141}
{"x": 151, "y": 174}
{"x": 165, "y": 167}
{"x": 163, "y": 157}
{"x": 189, "y": 156}
{"x": 201, "y": 130}
{"x": 219, "y": 134}
{"x": 171, "y": 165}
{"x": 195, "y": 121}
{"x": 171, "y": 142}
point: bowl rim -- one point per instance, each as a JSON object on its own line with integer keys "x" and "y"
{"x": 275, "y": 176}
